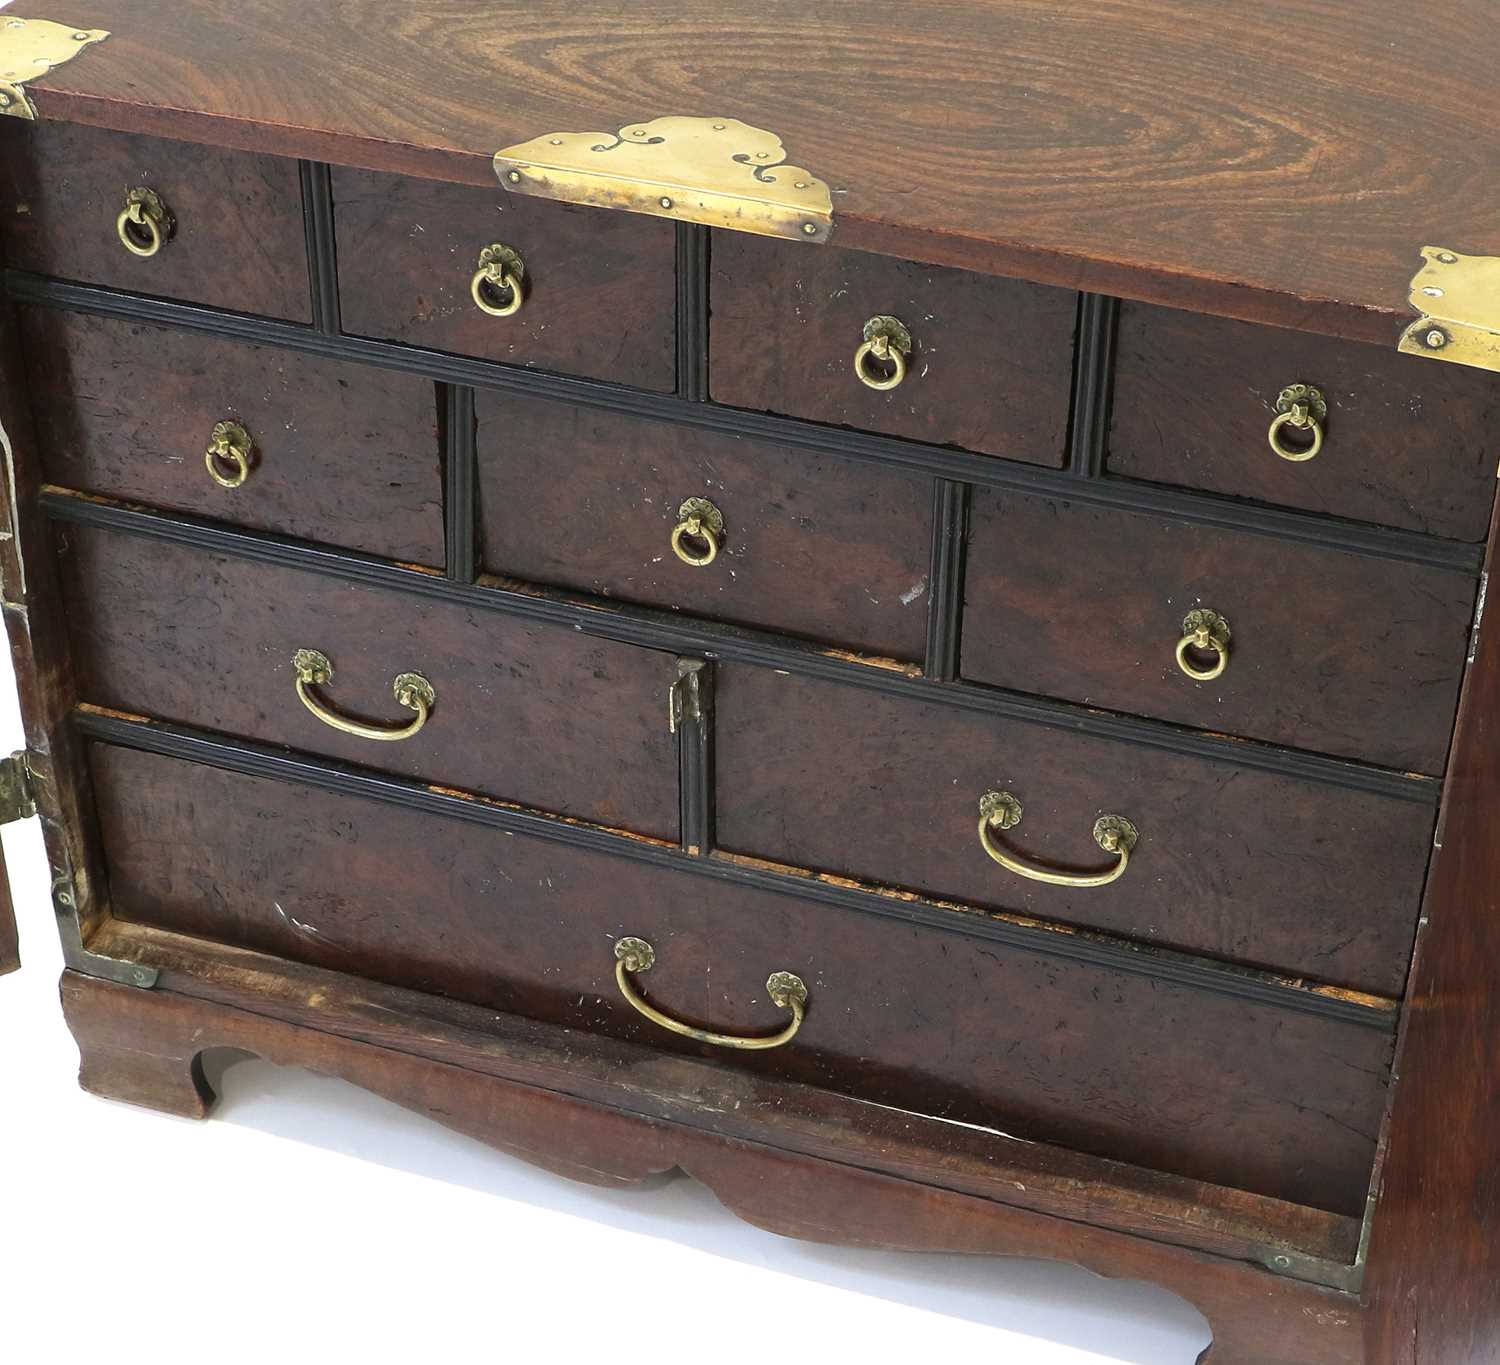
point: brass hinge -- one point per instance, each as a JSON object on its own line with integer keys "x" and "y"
{"x": 1459, "y": 299}
{"x": 29, "y": 49}
{"x": 17, "y": 800}
{"x": 717, "y": 171}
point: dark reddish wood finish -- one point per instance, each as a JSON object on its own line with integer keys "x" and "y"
{"x": 990, "y": 364}
{"x": 814, "y": 545}
{"x": 1435, "y": 1250}
{"x": 531, "y": 713}
{"x": 343, "y": 454}
{"x": 1155, "y": 150}
{"x": 520, "y": 1092}
{"x": 1278, "y": 1102}
{"x": 600, "y": 287}
{"x": 1250, "y": 866}
{"x": 239, "y": 241}
{"x": 1407, "y": 443}
{"x": 1330, "y": 651}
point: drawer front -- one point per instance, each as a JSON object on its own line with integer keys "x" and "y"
{"x": 236, "y": 237}
{"x": 811, "y": 544}
{"x": 598, "y": 291}
{"x": 1334, "y": 652}
{"x": 337, "y": 453}
{"x": 1254, "y": 867}
{"x": 991, "y": 359}
{"x": 1283, "y": 1103}
{"x": 535, "y": 714}
{"x": 1405, "y": 444}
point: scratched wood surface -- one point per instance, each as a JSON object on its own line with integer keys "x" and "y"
{"x": 1278, "y": 1102}
{"x": 1281, "y": 161}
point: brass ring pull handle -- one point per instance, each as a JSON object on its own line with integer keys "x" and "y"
{"x": 1299, "y": 407}
{"x": 498, "y": 286}
{"x": 1113, "y": 833}
{"x": 698, "y": 520}
{"x": 888, "y": 341}
{"x": 144, "y": 224}
{"x": 1203, "y": 630}
{"x": 229, "y": 448}
{"x": 412, "y": 690}
{"x": 786, "y": 991}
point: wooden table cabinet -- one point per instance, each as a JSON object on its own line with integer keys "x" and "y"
{"x": 904, "y": 633}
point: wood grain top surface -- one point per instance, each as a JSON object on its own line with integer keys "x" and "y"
{"x": 1277, "y": 160}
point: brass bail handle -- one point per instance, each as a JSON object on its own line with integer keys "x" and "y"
{"x": 228, "y": 455}
{"x": 786, "y": 991}
{"x": 1113, "y": 833}
{"x": 411, "y": 690}
{"x": 888, "y": 342}
{"x": 1302, "y": 408}
{"x": 498, "y": 287}
{"x": 1206, "y": 631}
{"x": 698, "y": 520}
{"x": 144, "y": 224}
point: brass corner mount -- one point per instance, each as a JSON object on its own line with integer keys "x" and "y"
{"x": 29, "y": 49}
{"x": 1458, "y": 297}
{"x": 716, "y": 171}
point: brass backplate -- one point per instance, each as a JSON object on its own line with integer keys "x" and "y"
{"x": 1459, "y": 299}
{"x": 29, "y": 49}
{"x": 716, "y": 171}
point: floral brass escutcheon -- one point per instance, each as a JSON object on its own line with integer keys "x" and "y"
{"x": 29, "y": 49}
{"x": 716, "y": 171}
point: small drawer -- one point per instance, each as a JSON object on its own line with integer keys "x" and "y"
{"x": 1253, "y": 867}
{"x": 990, "y": 366}
{"x": 1243, "y": 1093}
{"x": 597, "y": 289}
{"x": 229, "y": 233}
{"x": 805, "y": 543}
{"x": 1404, "y": 442}
{"x": 1320, "y": 649}
{"x": 317, "y": 449}
{"x": 535, "y": 714}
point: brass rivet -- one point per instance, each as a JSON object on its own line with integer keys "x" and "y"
{"x": 1433, "y": 292}
{"x": 80, "y": 37}
{"x": 639, "y": 132}
{"x": 718, "y": 127}
{"x": 1447, "y": 257}
{"x": 665, "y": 202}
{"x": 514, "y": 177}
{"x": 801, "y": 185}
{"x": 1436, "y": 339}
{"x": 4, "y": 99}
{"x": 811, "y": 229}
{"x": 761, "y": 156}
{"x": 556, "y": 141}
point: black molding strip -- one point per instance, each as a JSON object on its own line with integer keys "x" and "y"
{"x": 945, "y": 603}
{"x": 266, "y": 761}
{"x": 460, "y": 475}
{"x": 692, "y": 312}
{"x": 322, "y": 252}
{"x": 668, "y": 631}
{"x": 695, "y": 760}
{"x": 961, "y": 466}
{"x": 1093, "y": 384}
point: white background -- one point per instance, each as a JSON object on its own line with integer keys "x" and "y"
{"x": 310, "y": 1221}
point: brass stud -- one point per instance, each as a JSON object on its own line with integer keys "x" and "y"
{"x": 1436, "y": 339}
{"x": 665, "y": 202}
{"x": 811, "y": 229}
{"x": 1447, "y": 257}
{"x": 514, "y": 177}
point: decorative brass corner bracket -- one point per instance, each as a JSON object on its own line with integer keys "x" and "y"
{"x": 716, "y": 171}
{"x": 1459, "y": 299}
{"x": 29, "y": 49}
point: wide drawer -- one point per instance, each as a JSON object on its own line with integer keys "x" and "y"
{"x": 990, "y": 365}
{"x": 1245, "y": 1093}
{"x": 810, "y": 544}
{"x": 598, "y": 289}
{"x": 1326, "y": 650}
{"x": 535, "y": 714}
{"x": 230, "y": 234}
{"x": 1405, "y": 443}
{"x": 325, "y": 451}
{"x": 1256, "y": 867}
